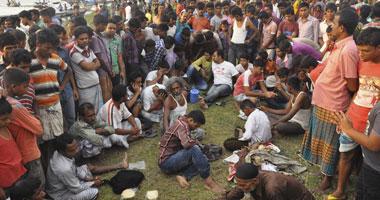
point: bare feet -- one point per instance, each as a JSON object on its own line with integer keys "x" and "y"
{"x": 182, "y": 182}
{"x": 338, "y": 195}
{"x": 202, "y": 103}
{"x": 124, "y": 163}
{"x": 322, "y": 188}
{"x": 211, "y": 185}
{"x": 277, "y": 135}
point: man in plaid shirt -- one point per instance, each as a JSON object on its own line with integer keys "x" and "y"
{"x": 130, "y": 51}
{"x": 155, "y": 52}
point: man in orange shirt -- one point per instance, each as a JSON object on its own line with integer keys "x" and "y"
{"x": 199, "y": 21}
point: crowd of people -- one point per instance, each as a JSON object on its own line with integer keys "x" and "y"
{"x": 71, "y": 89}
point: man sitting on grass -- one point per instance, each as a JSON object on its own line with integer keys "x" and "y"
{"x": 178, "y": 152}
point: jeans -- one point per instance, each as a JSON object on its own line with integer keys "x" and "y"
{"x": 189, "y": 162}
{"x": 196, "y": 78}
{"x": 235, "y": 51}
{"x": 368, "y": 184}
{"x": 216, "y": 91}
{"x": 68, "y": 109}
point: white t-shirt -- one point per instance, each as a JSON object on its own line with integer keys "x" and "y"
{"x": 171, "y": 31}
{"x": 150, "y": 35}
{"x": 257, "y": 128}
{"x": 83, "y": 78}
{"x": 241, "y": 69}
{"x": 148, "y": 97}
{"x": 113, "y": 115}
{"x": 128, "y": 13}
{"x": 216, "y": 21}
{"x": 152, "y": 75}
{"x": 223, "y": 73}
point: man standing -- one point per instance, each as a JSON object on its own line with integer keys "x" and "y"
{"x": 199, "y": 21}
{"x": 178, "y": 152}
{"x": 332, "y": 94}
{"x": 308, "y": 25}
{"x": 130, "y": 50}
{"x": 330, "y": 14}
{"x": 268, "y": 34}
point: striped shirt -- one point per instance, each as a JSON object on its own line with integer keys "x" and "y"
{"x": 46, "y": 80}
{"x": 114, "y": 115}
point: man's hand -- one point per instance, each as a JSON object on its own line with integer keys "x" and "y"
{"x": 247, "y": 41}
{"x": 161, "y": 97}
{"x": 262, "y": 48}
{"x": 263, "y": 108}
{"x": 342, "y": 121}
{"x": 203, "y": 73}
{"x": 112, "y": 73}
{"x": 136, "y": 88}
{"x": 60, "y": 88}
{"x": 122, "y": 76}
{"x": 76, "y": 95}
{"x": 134, "y": 131}
{"x": 270, "y": 95}
{"x": 3, "y": 93}
{"x": 278, "y": 85}
{"x": 160, "y": 73}
{"x": 2, "y": 194}
{"x": 97, "y": 182}
{"x": 330, "y": 44}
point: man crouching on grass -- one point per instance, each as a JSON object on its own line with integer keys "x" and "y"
{"x": 178, "y": 152}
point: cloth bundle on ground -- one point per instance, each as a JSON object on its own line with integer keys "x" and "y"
{"x": 211, "y": 151}
{"x": 125, "y": 179}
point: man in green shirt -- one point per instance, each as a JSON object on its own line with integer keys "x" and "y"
{"x": 115, "y": 51}
{"x": 199, "y": 72}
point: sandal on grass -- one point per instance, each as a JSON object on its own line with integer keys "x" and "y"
{"x": 330, "y": 197}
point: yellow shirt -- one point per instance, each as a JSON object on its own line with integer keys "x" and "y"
{"x": 149, "y": 16}
{"x": 206, "y": 65}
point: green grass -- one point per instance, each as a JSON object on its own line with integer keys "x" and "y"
{"x": 220, "y": 123}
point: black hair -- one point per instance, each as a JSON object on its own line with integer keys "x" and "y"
{"x": 35, "y": 12}
{"x": 251, "y": 9}
{"x": 119, "y": 92}
{"x": 83, "y": 107}
{"x": 259, "y": 3}
{"x": 259, "y": 63}
{"x": 117, "y": 18}
{"x": 218, "y": 4}
{"x": 289, "y": 11}
{"x": 263, "y": 54}
{"x": 179, "y": 64}
{"x": 280, "y": 38}
{"x": 200, "y": 5}
{"x": 220, "y": 53}
{"x": 47, "y": 36}
{"x": 284, "y": 45}
{"x": 32, "y": 41}
{"x": 236, "y": 11}
{"x": 376, "y": 10}
{"x": 163, "y": 64}
{"x": 209, "y": 51}
{"x": 269, "y": 5}
{"x": 197, "y": 116}
{"x": 263, "y": 15}
{"x": 225, "y": 3}
{"x": 185, "y": 31}
{"x": 46, "y": 13}
{"x": 365, "y": 10}
{"x": 296, "y": 60}
{"x": 11, "y": 20}
{"x": 247, "y": 104}
{"x": 5, "y": 107}
{"x": 331, "y": 6}
{"x": 24, "y": 188}
{"x": 150, "y": 43}
{"x": 52, "y": 11}
{"x": 57, "y": 29}
{"x": 20, "y": 55}
{"x": 34, "y": 29}
{"x": 308, "y": 61}
{"x": 90, "y": 31}
{"x": 282, "y": 4}
{"x": 189, "y": 8}
{"x": 100, "y": 19}
{"x": 111, "y": 21}
{"x": 294, "y": 82}
{"x": 199, "y": 38}
{"x": 134, "y": 22}
{"x": 224, "y": 22}
{"x": 132, "y": 77}
{"x": 165, "y": 19}
{"x": 303, "y": 4}
{"x": 349, "y": 19}
{"x": 209, "y": 35}
{"x": 163, "y": 91}
{"x": 163, "y": 27}
{"x": 25, "y": 14}
{"x": 210, "y": 5}
{"x": 172, "y": 16}
{"x": 369, "y": 36}
{"x": 62, "y": 141}
{"x": 20, "y": 35}
{"x": 282, "y": 72}
{"x": 80, "y": 30}
{"x": 79, "y": 21}
{"x": 329, "y": 29}
{"x": 15, "y": 76}
{"x": 169, "y": 40}
{"x": 244, "y": 56}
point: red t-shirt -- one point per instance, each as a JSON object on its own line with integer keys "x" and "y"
{"x": 317, "y": 71}
{"x": 288, "y": 28}
{"x": 199, "y": 25}
{"x": 11, "y": 168}
{"x": 246, "y": 79}
{"x": 366, "y": 96}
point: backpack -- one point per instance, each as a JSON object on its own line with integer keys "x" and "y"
{"x": 125, "y": 179}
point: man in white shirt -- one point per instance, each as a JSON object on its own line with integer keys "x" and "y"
{"x": 257, "y": 128}
{"x": 156, "y": 33}
{"x": 223, "y": 72}
{"x": 331, "y": 9}
{"x": 158, "y": 76}
{"x": 244, "y": 64}
{"x": 153, "y": 97}
{"x": 115, "y": 113}
{"x": 308, "y": 25}
{"x": 128, "y": 12}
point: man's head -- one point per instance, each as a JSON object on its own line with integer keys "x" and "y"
{"x": 217, "y": 56}
{"x": 81, "y": 36}
{"x": 285, "y": 46}
{"x": 289, "y": 15}
{"x": 150, "y": 45}
{"x": 134, "y": 24}
{"x": 163, "y": 67}
{"x": 16, "y": 81}
{"x": 210, "y": 8}
{"x": 165, "y": 19}
{"x": 283, "y": 74}
{"x": 185, "y": 34}
{"x": 258, "y": 5}
{"x": 304, "y": 10}
{"x": 258, "y": 67}
{"x": 237, "y": 13}
{"x": 47, "y": 40}
{"x": 218, "y": 8}
{"x": 119, "y": 93}
{"x": 20, "y": 37}
{"x": 365, "y": 11}
{"x": 200, "y": 8}
{"x": 157, "y": 92}
{"x": 111, "y": 28}
{"x": 169, "y": 41}
{"x": 251, "y": 10}
{"x": 226, "y": 7}
{"x": 5, "y": 112}
{"x": 27, "y": 189}
{"x": 244, "y": 59}
{"x": 264, "y": 17}
{"x": 224, "y": 25}
{"x": 368, "y": 44}
{"x": 376, "y": 11}
{"x": 195, "y": 119}
{"x": 161, "y": 9}
{"x": 76, "y": 10}
{"x": 87, "y": 113}
{"x": 246, "y": 177}
{"x": 268, "y": 8}
{"x": 175, "y": 86}
{"x": 172, "y": 19}
{"x": 296, "y": 61}
{"x": 66, "y": 145}
{"x": 262, "y": 55}
{"x": 179, "y": 49}
{"x": 119, "y": 22}
{"x": 209, "y": 36}
{"x": 208, "y": 54}
{"x": 25, "y": 17}
{"x": 199, "y": 39}
{"x": 308, "y": 63}
{"x": 330, "y": 11}
{"x": 61, "y": 33}
{"x": 100, "y": 23}
{"x": 21, "y": 58}
{"x": 247, "y": 106}
{"x": 345, "y": 23}
{"x": 189, "y": 11}
{"x": 46, "y": 16}
{"x": 281, "y": 7}
{"x": 35, "y": 14}
{"x": 293, "y": 84}
{"x": 162, "y": 30}
{"x": 192, "y": 3}
{"x": 9, "y": 23}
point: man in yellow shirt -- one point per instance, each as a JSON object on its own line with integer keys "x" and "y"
{"x": 199, "y": 72}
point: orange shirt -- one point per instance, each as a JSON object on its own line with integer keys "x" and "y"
{"x": 179, "y": 8}
{"x": 25, "y": 128}
{"x": 199, "y": 24}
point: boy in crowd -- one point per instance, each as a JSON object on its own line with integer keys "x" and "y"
{"x": 46, "y": 17}
{"x": 24, "y": 127}
{"x": 257, "y": 128}
{"x": 102, "y": 51}
{"x": 85, "y": 64}
{"x": 308, "y": 25}
{"x": 277, "y": 84}
{"x": 223, "y": 35}
{"x": 268, "y": 34}
{"x": 36, "y": 18}
{"x": 210, "y": 10}
{"x": 115, "y": 52}
{"x": 158, "y": 76}
{"x": 115, "y": 113}
{"x": 154, "y": 55}
{"x": 199, "y": 72}
{"x": 244, "y": 64}
{"x": 289, "y": 27}
{"x": 226, "y": 12}
{"x": 330, "y": 14}
{"x": 294, "y": 119}
{"x": 153, "y": 100}
{"x": 172, "y": 28}
{"x": 217, "y": 18}
{"x": 308, "y": 64}
{"x": 199, "y": 21}
{"x": 8, "y": 43}
{"x": 365, "y": 99}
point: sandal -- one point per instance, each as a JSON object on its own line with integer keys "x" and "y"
{"x": 330, "y": 197}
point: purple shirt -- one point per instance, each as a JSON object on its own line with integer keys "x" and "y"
{"x": 300, "y": 48}
{"x": 309, "y": 29}
{"x": 99, "y": 45}
{"x": 171, "y": 58}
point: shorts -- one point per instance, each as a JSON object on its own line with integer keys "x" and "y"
{"x": 346, "y": 143}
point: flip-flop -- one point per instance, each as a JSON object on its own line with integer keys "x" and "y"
{"x": 330, "y": 197}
